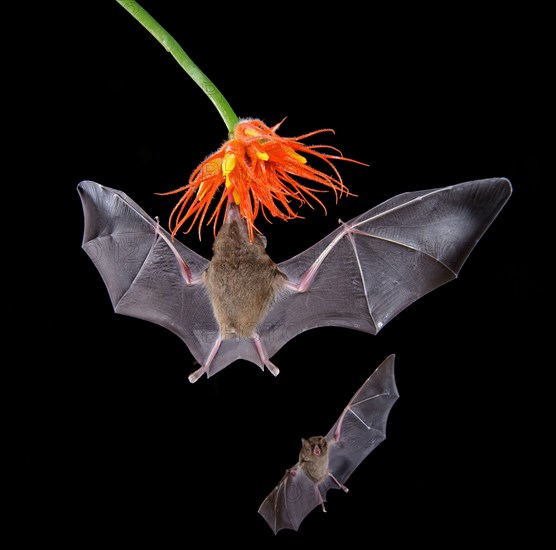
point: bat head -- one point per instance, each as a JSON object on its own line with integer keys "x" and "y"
{"x": 315, "y": 446}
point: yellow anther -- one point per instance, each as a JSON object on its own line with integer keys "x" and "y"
{"x": 251, "y": 132}
{"x": 229, "y": 163}
{"x": 200, "y": 192}
{"x": 262, "y": 156}
{"x": 297, "y": 157}
{"x": 236, "y": 196}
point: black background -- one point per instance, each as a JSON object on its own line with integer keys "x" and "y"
{"x": 116, "y": 445}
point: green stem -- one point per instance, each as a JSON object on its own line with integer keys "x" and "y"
{"x": 171, "y": 46}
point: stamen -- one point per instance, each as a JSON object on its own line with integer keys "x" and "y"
{"x": 200, "y": 192}
{"x": 297, "y": 157}
{"x": 262, "y": 156}
{"x": 228, "y": 164}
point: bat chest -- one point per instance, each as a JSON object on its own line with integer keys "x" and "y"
{"x": 316, "y": 468}
{"x": 241, "y": 293}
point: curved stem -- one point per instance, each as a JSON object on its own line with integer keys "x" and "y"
{"x": 172, "y": 47}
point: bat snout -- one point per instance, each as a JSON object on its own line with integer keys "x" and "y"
{"x": 232, "y": 213}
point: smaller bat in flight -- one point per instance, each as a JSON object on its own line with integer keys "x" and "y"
{"x": 326, "y": 462}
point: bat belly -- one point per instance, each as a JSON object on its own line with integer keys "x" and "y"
{"x": 241, "y": 296}
{"x": 237, "y": 318}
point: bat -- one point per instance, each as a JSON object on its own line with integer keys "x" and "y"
{"x": 326, "y": 462}
{"x": 242, "y": 305}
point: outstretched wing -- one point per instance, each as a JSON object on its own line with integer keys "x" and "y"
{"x": 360, "y": 276}
{"x": 147, "y": 275}
{"x": 371, "y": 268}
{"x": 362, "y": 425}
{"x": 290, "y": 501}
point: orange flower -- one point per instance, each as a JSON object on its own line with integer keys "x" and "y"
{"x": 258, "y": 169}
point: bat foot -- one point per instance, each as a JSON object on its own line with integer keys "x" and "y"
{"x": 272, "y": 368}
{"x": 193, "y": 377}
{"x": 264, "y": 356}
{"x": 340, "y": 485}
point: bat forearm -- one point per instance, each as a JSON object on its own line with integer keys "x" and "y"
{"x": 309, "y": 276}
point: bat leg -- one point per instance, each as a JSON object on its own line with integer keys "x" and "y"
{"x": 319, "y": 496}
{"x": 340, "y": 485}
{"x": 264, "y": 356}
{"x": 193, "y": 377}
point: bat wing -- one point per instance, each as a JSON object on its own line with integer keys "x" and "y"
{"x": 360, "y": 428}
{"x": 147, "y": 275}
{"x": 362, "y": 425}
{"x": 153, "y": 277}
{"x": 360, "y": 276}
{"x": 290, "y": 501}
{"x": 371, "y": 268}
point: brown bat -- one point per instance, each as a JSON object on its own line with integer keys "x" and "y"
{"x": 326, "y": 462}
{"x": 242, "y": 305}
